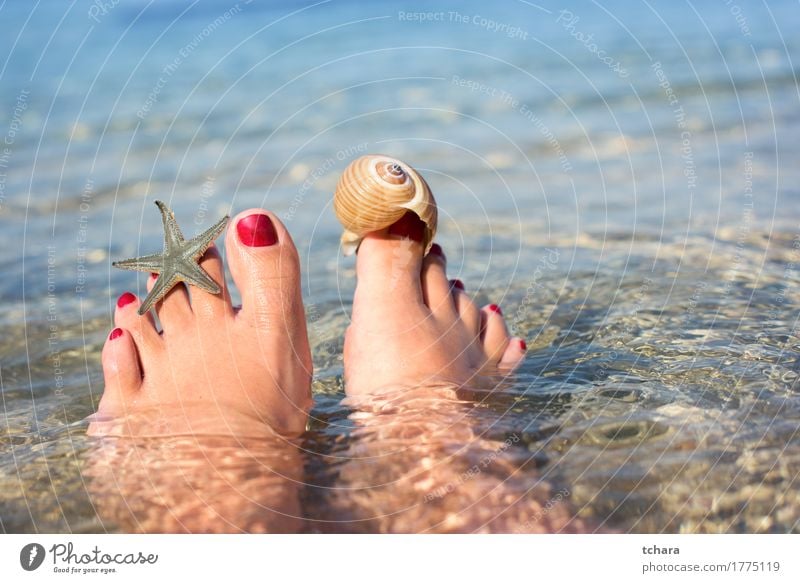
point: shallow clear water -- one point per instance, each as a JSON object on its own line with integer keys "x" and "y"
{"x": 640, "y": 230}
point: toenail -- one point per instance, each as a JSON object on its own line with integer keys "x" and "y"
{"x": 115, "y": 333}
{"x": 496, "y": 308}
{"x": 410, "y": 227}
{"x": 523, "y": 345}
{"x": 256, "y": 231}
{"x": 436, "y": 249}
{"x": 125, "y": 299}
{"x": 154, "y": 275}
{"x": 458, "y": 284}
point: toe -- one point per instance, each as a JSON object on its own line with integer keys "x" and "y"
{"x": 206, "y": 305}
{"x": 469, "y": 314}
{"x": 436, "y": 288}
{"x": 173, "y": 309}
{"x": 142, "y": 328}
{"x": 266, "y": 269}
{"x": 514, "y": 354}
{"x": 388, "y": 266}
{"x": 495, "y": 335}
{"x": 121, "y": 371}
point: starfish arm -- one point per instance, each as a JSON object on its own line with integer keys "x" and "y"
{"x": 198, "y": 245}
{"x": 195, "y": 275}
{"x": 173, "y": 238}
{"x": 150, "y": 263}
{"x": 178, "y": 261}
{"x": 160, "y": 289}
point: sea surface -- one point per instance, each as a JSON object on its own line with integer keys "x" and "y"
{"x": 621, "y": 177}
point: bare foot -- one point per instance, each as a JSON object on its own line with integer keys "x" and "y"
{"x": 186, "y": 402}
{"x": 416, "y": 462}
{"x": 213, "y": 369}
{"x": 412, "y": 326}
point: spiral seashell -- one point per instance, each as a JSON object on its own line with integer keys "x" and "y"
{"x": 374, "y": 192}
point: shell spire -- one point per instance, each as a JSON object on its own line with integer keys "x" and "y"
{"x": 374, "y": 192}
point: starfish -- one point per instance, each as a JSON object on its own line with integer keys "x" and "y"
{"x": 179, "y": 260}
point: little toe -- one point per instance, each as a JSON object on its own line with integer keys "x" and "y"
{"x": 143, "y": 328}
{"x": 495, "y": 335}
{"x": 173, "y": 309}
{"x": 121, "y": 371}
{"x": 514, "y": 354}
{"x": 206, "y": 305}
{"x": 436, "y": 288}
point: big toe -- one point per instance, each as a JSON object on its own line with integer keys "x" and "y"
{"x": 266, "y": 269}
{"x": 388, "y": 266}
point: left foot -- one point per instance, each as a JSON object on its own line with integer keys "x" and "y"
{"x": 412, "y": 326}
{"x": 417, "y": 463}
{"x": 213, "y": 369}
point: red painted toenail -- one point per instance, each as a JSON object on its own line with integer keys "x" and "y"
{"x": 523, "y": 345}
{"x": 458, "y": 284}
{"x": 496, "y": 308}
{"x": 410, "y": 227}
{"x": 154, "y": 275}
{"x": 115, "y": 333}
{"x": 125, "y": 299}
{"x": 436, "y": 249}
{"x": 256, "y": 231}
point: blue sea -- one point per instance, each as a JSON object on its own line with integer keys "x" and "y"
{"x": 622, "y": 177}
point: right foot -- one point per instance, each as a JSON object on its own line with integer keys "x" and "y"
{"x": 215, "y": 376}
{"x": 215, "y": 369}
{"x": 411, "y": 326}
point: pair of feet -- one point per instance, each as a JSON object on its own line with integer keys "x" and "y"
{"x": 218, "y": 369}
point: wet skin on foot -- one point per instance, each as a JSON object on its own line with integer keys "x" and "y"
{"x": 212, "y": 368}
{"x": 410, "y": 325}
{"x": 215, "y": 370}
{"x": 413, "y": 326}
